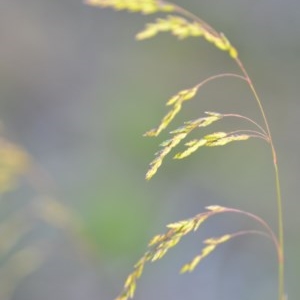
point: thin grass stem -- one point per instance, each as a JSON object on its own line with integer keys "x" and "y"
{"x": 263, "y": 223}
{"x": 244, "y": 232}
{"x": 211, "y": 78}
{"x": 251, "y": 121}
{"x": 250, "y": 133}
{"x": 281, "y": 293}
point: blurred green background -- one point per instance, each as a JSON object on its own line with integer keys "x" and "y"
{"x": 77, "y": 92}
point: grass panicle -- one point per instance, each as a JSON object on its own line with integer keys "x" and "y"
{"x": 182, "y": 24}
{"x": 160, "y": 244}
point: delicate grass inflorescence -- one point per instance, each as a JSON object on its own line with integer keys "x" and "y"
{"x": 183, "y": 24}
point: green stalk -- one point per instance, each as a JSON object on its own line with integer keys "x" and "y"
{"x": 280, "y": 236}
{"x": 281, "y": 294}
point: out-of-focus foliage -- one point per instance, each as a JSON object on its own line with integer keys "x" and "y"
{"x": 19, "y": 259}
{"x": 14, "y": 161}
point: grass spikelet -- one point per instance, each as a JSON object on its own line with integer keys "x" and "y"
{"x": 142, "y": 6}
{"x": 219, "y": 240}
{"x": 223, "y": 140}
{"x": 183, "y": 95}
{"x": 216, "y": 208}
{"x": 192, "y": 147}
{"x": 176, "y": 101}
{"x": 156, "y": 163}
{"x": 155, "y": 240}
{"x": 178, "y": 26}
{"x": 192, "y": 265}
{"x": 211, "y": 243}
{"x": 179, "y": 134}
{"x": 211, "y": 140}
{"x": 165, "y": 121}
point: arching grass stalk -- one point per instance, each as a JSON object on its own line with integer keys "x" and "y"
{"x": 281, "y": 276}
{"x": 182, "y": 24}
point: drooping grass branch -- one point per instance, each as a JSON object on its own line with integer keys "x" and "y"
{"x": 182, "y": 24}
{"x": 162, "y": 243}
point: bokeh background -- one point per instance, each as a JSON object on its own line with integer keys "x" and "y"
{"x": 76, "y": 94}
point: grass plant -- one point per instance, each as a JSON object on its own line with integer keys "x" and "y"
{"x": 183, "y": 24}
